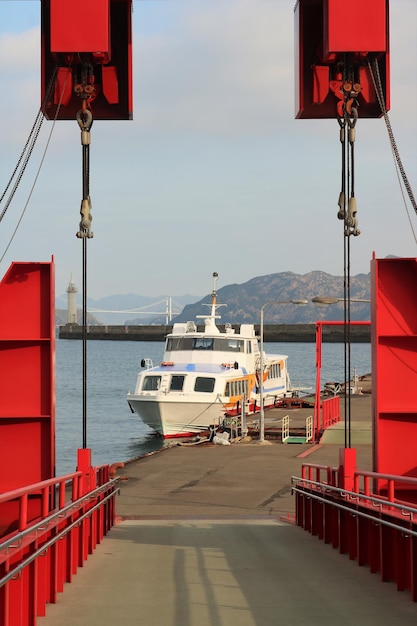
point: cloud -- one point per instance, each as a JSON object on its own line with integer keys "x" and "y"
{"x": 214, "y": 164}
{"x": 226, "y": 69}
{"x": 20, "y": 54}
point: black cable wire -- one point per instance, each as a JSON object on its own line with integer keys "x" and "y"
{"x": 342, "y": 214}
{"x": 84, "y": 340}
{"x": 348, "y": 187}
{"x": 35, "y": 124}
{"x": 28, "y": 147}
{"x": 23, "y": 168}
{"x": 86, "y": 195}
{"x": 376, "y": 79}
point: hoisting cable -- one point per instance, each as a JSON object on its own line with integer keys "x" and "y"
{"x": 40, "y": 114}
{"x": 342, "y": 215}
{"x": 347, "y": 116}
{"x": 31, "y": 140}
{"x": 346, "y": 299}
{"x": 351, "y": 228}
{"x": 85, "y": 120}
{"x": 29, "y": 146}
{"x": 346, "y": 293}
{"x": 376, "y": 79}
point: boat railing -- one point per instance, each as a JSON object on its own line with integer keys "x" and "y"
{"x": 147, "y": 363}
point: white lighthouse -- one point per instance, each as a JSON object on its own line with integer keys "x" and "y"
{"x": 72, "y": 302}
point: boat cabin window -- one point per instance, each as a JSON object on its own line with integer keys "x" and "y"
{"x": 232, "y": 345}
{"x": 179, "y": 343}
{"x": 204, "y": 384}
{"x": 236, "y": 388}
{"x": 151, "y": 383}
{"x": 177, "y": 382}
{"x": 218, "y": 344}
{"x": 274, "y": 370}
{"x": 203, "y": 343}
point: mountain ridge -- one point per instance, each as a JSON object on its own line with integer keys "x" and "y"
{"x": 244, "y": 301}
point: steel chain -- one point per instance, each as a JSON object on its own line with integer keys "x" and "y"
{"x": 376, "y": 78}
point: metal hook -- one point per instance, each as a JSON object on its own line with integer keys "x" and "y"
{"x": 352, "y": 118}
{"x": 84, "y": 119}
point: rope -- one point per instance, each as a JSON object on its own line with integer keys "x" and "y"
{"x": 346, "y": 282}
{"x": 376, "y": 78}
{"x": 348, "y": 213}
{"x": 84, "y": 340}
{"x": 84, "y": 119}
{"x": 33, "y": 141}
{"x": 29, "y": 146}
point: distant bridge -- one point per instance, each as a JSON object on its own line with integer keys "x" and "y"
{"x": 171, "y": 308}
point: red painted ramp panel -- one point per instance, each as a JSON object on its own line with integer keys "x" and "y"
{"x": 27, "y": 380}
{"x": 394, "y": 366}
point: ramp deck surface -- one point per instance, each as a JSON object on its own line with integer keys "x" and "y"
{"x": 201, "y": 541}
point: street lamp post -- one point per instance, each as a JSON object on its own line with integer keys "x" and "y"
{"x": 261, "y": 363}
{"x": 324, "y": 301}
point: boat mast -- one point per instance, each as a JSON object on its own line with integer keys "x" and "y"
{"x": 210, "y": 319}
{"x": 214, "y": 296}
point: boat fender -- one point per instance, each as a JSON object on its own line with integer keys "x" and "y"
{"x": 219, "y": 440}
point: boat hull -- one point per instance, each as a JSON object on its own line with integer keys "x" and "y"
{"x": 184, "y": 417}
{"x": 177, "y": 419}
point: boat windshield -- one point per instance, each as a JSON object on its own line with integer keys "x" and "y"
{"x": 217, "y": 344}
{"x": 151, "y": 383}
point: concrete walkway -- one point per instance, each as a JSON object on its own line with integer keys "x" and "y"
{"x": 224, "y": 573}
{"x": 202, "y": 542}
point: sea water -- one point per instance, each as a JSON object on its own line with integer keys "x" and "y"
{"x": 114, "y": 433}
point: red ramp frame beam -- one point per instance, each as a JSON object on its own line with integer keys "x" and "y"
{"x": 27, "y": 383}
{"x": 394, "y": 368}
{"x": 97, "y": 34}
{"x": 329, "y": 36}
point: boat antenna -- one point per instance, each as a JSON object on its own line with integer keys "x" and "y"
{"x": 214, "y": 306}
{"x": 214, "y": 295}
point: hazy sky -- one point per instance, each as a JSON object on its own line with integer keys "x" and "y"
{"x": 214, "y": 173}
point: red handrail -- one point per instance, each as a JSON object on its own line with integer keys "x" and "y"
{"x": 374, "y": 526}
{"x": 59, "y": 534}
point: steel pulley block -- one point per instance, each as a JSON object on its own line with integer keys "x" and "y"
{"x": 334, "y": 43}
{"x": 87, "y": 54}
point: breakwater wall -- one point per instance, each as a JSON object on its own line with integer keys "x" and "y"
{"x": 300, "y": 333}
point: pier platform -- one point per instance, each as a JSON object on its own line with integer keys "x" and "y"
{"x": 304, "y": 333}
{"x": 205, "y": 538}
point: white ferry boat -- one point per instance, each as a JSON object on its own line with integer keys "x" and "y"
{"x": 206, "y": 375}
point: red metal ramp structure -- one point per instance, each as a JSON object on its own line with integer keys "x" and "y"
{"x": 372, "y": 516}
{"x": 48, "y": 525}
{"x": 394, "y": 364}
{"x": 27, "y": 407}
